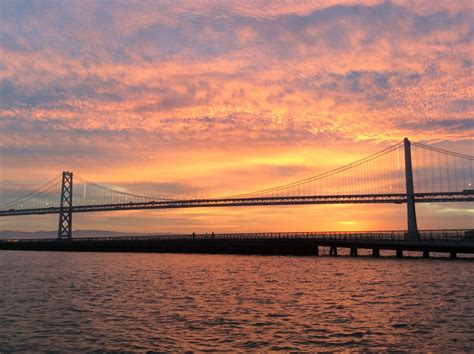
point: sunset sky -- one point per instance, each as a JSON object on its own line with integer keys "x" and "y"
{"x": 206, "y": 98}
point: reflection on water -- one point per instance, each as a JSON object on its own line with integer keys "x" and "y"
{"x": 169, "y": 302}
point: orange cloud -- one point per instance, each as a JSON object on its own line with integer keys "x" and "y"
{"x": 215, "y": 97}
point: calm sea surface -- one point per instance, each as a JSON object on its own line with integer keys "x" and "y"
{"x": 172, "y": 302}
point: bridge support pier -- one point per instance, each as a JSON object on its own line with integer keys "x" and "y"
{"x": 316, "y": 250}
{"x": 426, "y": 254}
{"x": 453, "y": 255}
{"x": 410, "y": 191}
{"x": 333, "y": 251}
{"x": 353, "y": 252}
{"x": 375, "y": 252}
{"x": 65, "y": 208}
{"x": 399, "y": 254}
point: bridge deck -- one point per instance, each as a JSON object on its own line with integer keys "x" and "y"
{"x": 449, "y": 241}
{"x": 464, "y": 196}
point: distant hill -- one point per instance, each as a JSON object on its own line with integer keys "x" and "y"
{"x": 8, "y": 234}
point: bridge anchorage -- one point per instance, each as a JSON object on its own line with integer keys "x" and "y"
{"x": 424, "y": 174}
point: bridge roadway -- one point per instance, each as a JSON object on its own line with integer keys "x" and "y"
{"x": 289, "y": 243}
{"x": 464, "y": 196}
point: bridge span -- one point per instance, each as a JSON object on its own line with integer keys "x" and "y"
{"x": 451, "y": 242}
{"x": 426, "y": 175}
{"x": 461, "y": 196}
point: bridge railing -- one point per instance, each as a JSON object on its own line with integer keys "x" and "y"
{"x": 425, "y": 236}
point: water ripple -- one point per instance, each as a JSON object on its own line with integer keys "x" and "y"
{"x": 165, "y": 302}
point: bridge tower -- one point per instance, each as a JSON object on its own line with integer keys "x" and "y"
{"x": 410, "y": 191}
{"x": 65, "y": 209}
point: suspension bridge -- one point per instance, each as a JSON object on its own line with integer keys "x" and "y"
{"x": 406, "y": 173}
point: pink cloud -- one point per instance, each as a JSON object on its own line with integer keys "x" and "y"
{"x": 119, "y": 90}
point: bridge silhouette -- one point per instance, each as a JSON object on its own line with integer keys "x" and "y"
{"x": 406, "y": 172}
